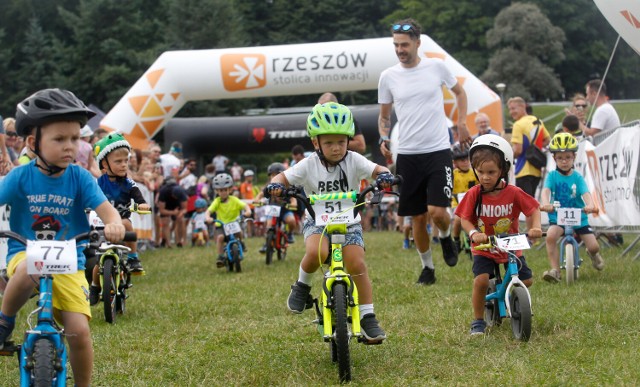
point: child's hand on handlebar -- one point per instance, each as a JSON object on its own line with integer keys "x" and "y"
{"x": 534, "y": 233}
{"x": 547, "y": 207}
{"x": 273, "y": 189}
{"x": 590, "y": 210}
{"x": 144, "y": 207}
{"x": 114, "y": 232}
{"x": 479, "y": 238}
{"x": 385, "y": 180}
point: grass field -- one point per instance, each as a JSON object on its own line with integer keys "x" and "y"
{"x": 190, "y": 324}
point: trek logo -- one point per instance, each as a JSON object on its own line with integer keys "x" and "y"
{"x": 243, "y": 71}
{"x": 39, "y": 265}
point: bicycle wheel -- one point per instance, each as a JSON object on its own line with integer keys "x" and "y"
{"x": 43, "y": 370}
{"x": 569, "y": 263}
{"x": 284, "y": 244}
{"x": 271, "y": 241}
{"x": 109, "y": 290}
{"x": 520, "y": 314}
{"x": 235, "y": 254}
{"x": 121, "y": 298}
{"x": 341, "y": 332}
{"x": 491, "y": 311}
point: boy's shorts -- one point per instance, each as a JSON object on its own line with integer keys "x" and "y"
{"x": 353, "y": 237}
{"x": 580, "y": 230}
{"x": 70, "y": 291}
{"x": 484, "y": 265}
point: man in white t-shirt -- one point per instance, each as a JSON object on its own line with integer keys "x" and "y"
{"x": 605, "y": 117}
{"x": 414, "y": 87}
{"x": 220, "y": 162}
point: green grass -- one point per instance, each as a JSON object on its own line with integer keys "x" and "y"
{"x": 553, "y": 114}
{"x": 190, "y": 324}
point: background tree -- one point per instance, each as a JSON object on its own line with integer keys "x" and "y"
{"x": 526, "y": 47}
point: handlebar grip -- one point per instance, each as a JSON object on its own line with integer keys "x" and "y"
{"x": 130, "y": 236}
{"x": 398, "y": 180}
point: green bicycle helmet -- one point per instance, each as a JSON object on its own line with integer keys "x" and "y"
{"x": 563, "y": 142}
{"x": 108, "y": 144}
{"x": 330, "y": 118}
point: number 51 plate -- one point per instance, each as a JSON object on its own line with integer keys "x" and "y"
{"x": 51, "y": 257}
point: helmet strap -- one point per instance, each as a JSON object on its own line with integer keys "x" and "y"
{"x": 324, "y": 160}
{"x": 110, "y": 172}
{"x": 48, "y": 168}
{"x": 566, "y": 173}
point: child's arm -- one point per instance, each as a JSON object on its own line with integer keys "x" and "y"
{"x": 137, "y": 197}
{"x": 589, "y": 206}
{"x": 475, "y": 235}
{"x": 533, "y": 225}
{"x": 379, "y": 169}
{"x": 545, "y": 198}
{"x": 247, "y": 210}
{"x": 113, "y": 229}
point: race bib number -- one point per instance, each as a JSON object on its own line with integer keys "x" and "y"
{"x": 51, "y": 257}
{"x": 272, "y": 210}
{"x": 95, "y": 221}
{"x": 232, "y": 228}
{"x": 512, "y": 243}
{"x": 334, "y": 212}
{"x": 569, "y": 216}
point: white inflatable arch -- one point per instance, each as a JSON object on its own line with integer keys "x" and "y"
{"x": 180, "y": 76}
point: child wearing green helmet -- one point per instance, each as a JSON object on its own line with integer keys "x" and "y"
{"x": 332, "y": 168}
{"x": 567, "y": 186}
{"x": 112, "y": 156}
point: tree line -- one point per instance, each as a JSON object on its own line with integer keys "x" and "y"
{"x": 542, "y": 49}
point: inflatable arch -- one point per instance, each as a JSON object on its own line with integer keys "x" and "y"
{"x": 624, "y": 17}
{"x": 180, "y": 76}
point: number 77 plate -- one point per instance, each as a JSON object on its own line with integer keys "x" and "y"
{"x": 51, "y": 257}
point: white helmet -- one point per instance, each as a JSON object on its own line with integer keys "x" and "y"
{"x": 248, "y": 172}
{"x": 223, "y": 180}
{"x": 495, "y": 142}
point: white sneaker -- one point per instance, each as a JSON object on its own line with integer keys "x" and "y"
{"x": 552, "y": 276}
{"x": 597, "y": 261}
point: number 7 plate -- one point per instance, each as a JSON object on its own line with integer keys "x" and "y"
{"x": 51, "y": 257}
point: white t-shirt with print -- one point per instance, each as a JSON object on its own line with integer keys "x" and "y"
{"x": 416, "y": 94}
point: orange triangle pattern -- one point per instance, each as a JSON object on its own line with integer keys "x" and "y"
{"x": 175, "y": 96}
{"x": 168, "y": 108}
{"x": 160, "y": 96}
{"x": 153, "y": 109}
{"x": 152, "y": 126}
{"x": 137, "y": 103}
{"x": 154, "y": 76}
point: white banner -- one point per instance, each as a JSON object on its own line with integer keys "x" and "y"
{"x": 143, "y": 224}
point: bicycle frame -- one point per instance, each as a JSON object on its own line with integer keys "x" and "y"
{"x": 569, "y": 239}
{"x": 231, "y": 241}
{"x": 503, "y": 288}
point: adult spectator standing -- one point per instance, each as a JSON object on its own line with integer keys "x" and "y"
{"x": 578, "y": 108}
{"x": 220, "y": 162}
{"x": 357, "y": 143}
{"x": 414, "y": 86}
{"x": 188, "y": 176}
{"x": 170, "y": 160}
{"x": 483, "y": 125}
{"x": 172, "y": 207}
{"x": 7, "y": 144}
{"x": 605, "y": 116}
{"x": 236, "y": 173}
{"x": 525, "y": 127}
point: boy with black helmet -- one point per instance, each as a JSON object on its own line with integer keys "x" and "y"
{"x": 112, "y": 156}
{"x": 51, "y": 186}
{"x": 567, "y": 186}
{"x": 493, "y": 207}
{"x": 332, "y": 168}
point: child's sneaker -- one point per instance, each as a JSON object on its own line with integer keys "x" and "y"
{"x": 478, "y": 327}
{"x": 597, "y": 261}
{"x": 263, "y": 249}
{"x": 290, "y": 238}
{"x": 552, "y": 276}
{"x": 221, "y": 261}
{"x": 371, "y": 330}
{"x": 135, "y": 265}
{"x": 405, "y": 244}
{"x": 6, "y": 328}
{"x": 299, "y": 298}
{"x": 94, "y": 295}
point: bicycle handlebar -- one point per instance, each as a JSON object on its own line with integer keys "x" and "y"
{"x": 492, "y": 240}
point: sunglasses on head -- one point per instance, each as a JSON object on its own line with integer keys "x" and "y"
{"x": 581, "y": 106}
{"x": 403, "y": 28}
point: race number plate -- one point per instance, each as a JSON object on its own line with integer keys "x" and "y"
{"x": 272, "y": 210}
{"x": 52, "y": 257}
{"x": 338, "y": 211}
{"x": 232, "y": 228}
{"x": 569, "y": 216}
{"x": 512, "y": 243}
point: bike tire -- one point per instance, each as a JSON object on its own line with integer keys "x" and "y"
{"x": 282, "y": 250}
{"x": 491, "y": 311}
{"x": 43, "y": 371}
{"x": 341, "y": 331}
{"x": 271, "y": 241}
{"x": 520, "y": 314}
{"x": 109, "y": 290}
{"x": 235, "y": 254}
{"x": 121, "y": 300}
{"x": 569, "y": 263}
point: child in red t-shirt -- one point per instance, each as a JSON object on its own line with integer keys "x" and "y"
{"x": 493, "y": 207}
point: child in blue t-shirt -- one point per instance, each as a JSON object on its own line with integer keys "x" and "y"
{"x": 567, "y": 186}
{"x": 48, "y": 197}
{"x": 112, "y": 156}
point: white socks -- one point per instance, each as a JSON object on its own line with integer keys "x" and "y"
{"x": 444, "y": 234}
{"x": 427, "y": 259}
{"x": 304, "y": 277}
{"x": 365, "y": 309}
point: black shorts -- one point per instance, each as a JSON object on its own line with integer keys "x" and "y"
{"x": 428, "y": 181}
{"x": 484, "y": 265}
{"x": 579, "y": 230}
